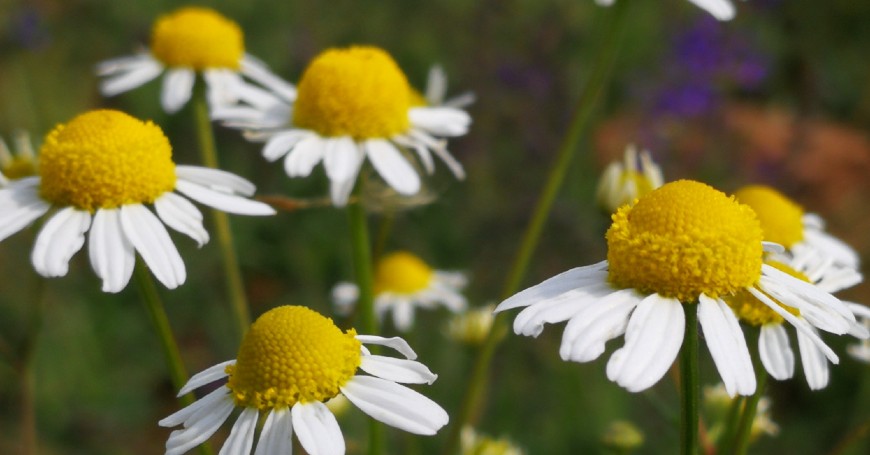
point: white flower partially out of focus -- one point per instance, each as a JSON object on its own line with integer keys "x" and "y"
{"x": 19, "y": 161}
{"x": 623, "y": 182}
{"x": 722, "y": 10}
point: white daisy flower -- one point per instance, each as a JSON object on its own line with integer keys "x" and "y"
{"x": 189, "y": 41}
{"x": 351, "y": 104}
{"x": 722, "y": 10}
{"x": 682, "y": 247}
{"x": 404, "y": 282}
{"x": 291, "y": 361}
{"x": 623, "y": 182}
{"x": 18, "y": 162}
{"x": 98, "y": 172}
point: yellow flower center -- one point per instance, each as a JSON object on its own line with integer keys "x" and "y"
{"x": 198, "y": 38}
{"x": 416, "y": 99}
{"x": 105, "y": 159}
{"x": 402, "y": 273}
{"x": 780, "y": 217}
{"x": 683, "y": 239}
{"x": 358, "y": 91}
{"x": 750, "y": 310}
{"x": 292, "y": 354}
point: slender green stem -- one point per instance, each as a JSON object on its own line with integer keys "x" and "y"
{"x": 855, "y": 435}
{"x": 744, "y": 429}
{"x": 229, "y": 258}
{"x": 362, "y": 266}
{"x": 601, "y": 69}
{"x": 731, "y": 422}
{"x": 26, "y": 368}
{"x": 689, "y": 383}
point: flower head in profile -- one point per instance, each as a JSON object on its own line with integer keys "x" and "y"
{"x": 403, "y": 282}
{"x": 683, "y": 247}
{"x": 352, "y": 104}
{"x": 722, "y": 10}
{"x": 622, "y": 183}
{"x": 291, "y": 361}
{"x": 184, "y": 43}
{"x": 471, "y": 326}
{"x": 473, "y": 443}
{"x": 98, "y": 172}
{"x": 19, "y": 161}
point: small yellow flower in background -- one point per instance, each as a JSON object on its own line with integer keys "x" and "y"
{"x": 471, "y": 326}
{"x": 622, "y": 437}
{"x": 473, "y": 443}
{"x": 623, "y": 182}
{"x": 99, "y": 171}
{"x": 291, "y": 361}
{"x": 352, "y": 103}
{"x": 189, "y": 41}
{"x": 404, "y": 282}
{"x": 684, "y": 243}
{"x": 722, "y": 10}
{"x": 18, "y": 162}
{"x": 717, "y": 403}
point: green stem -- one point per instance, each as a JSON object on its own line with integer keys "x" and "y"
{"x": 229, "y": 258}
{"x": 26, "y": 367}
{"x": 596, "y": 84}
{"x": 723, "y": 444}
{"x": 362, "y": 266}
{"x": 744, "y": 429}
{"x": 689, "y": 383}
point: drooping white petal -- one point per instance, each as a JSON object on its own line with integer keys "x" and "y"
{"x": 440, "y": 149}
{"x": 177, "y": 89}
{"x": 396, "y": 343}
{"x": 397, "y": 370}
{"x": 222, "y": 87}
{"x": 20, "y": 205}
{"x": 436, "y": 85}
{"x": 199, "y": 427}
{"x": 317, "y": 429}
{"x": 572, "y": 279}
{"x": 421, "y": 149}
{"x": 440, "y": 121}
{"x": 229, "y": 203}
{"x": 339, "y": 158}
{"x": 181, "y": 215}
{"x": 259, "y": 72}
{"x": 395, "y": 405}
{"x": 821, "y": 309}
{"x": 111, "y": 253}
{"x": 775, "y": 350}
{"x": 58, "y": 240}
{"x": 216, "y": 179}
{"x": 727, "y": 345}
{"x": 132, "y": 77}
{"x": 207, "y": 376}
{"x": 531, "y": 321}
{"x": 151, "y": 240}
{"x": 206, "y": 404}
{"x": 392, "y": 166}
{"x": 307, "y": 152}
{"x": 720, "y": 9}
{"x": 122, "y": 64}
{"x": 652, "y": 340}
{"x": 832, "y": 246}
{"x": 600, "y": 320}
{"x": 276, "y": 438}
{"x": 403, "y": 314}
{"x": 241, "y": 438}
{"x": 278, "y": 145}
{"x": 771, "y": 247}
{"x": 813, "y": 360}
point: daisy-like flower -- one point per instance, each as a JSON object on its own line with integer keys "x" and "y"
{"x": 97, "y": 173}
{"x": 684, "y": 244}
{"x": 351, "y": 104}
{"x": 402, "y": 283}
{"x": 290, "y": 362}
{"x": 622, "y": 183}
{"x": 189, "y": 41}
{"x": 722, "y": 10}
{"x": 18, "y": 162}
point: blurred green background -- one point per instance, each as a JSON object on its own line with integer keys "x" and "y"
{"x": 780, "y": 95}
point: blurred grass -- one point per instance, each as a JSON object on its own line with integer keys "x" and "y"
{"x": 99, "y": 373}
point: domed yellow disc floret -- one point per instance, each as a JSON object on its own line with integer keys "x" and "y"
{"x": 780, "y": 217}
{"x": 750, "y": 310}
{"x": 358, "y": 91}
{"x": 402, "y": 273}
{"x": 292, "y": 354}
{"x": 197, "y": 38}
{"x": 684, "y": 239}
{"x": 105, "y": 159}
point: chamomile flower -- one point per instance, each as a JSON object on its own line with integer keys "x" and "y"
{"x": 97, "y": 173}
{"x": 18, "y": 162}
{"x": 622, "y": 183}
{"x": 684, "y": 244}
{"x": 351, "y": 104}
{"x": 404, "y": 282}
{"x": 291, "y": 361}
{"x": 722, "y": 10}
{"x": 189, "y": 41}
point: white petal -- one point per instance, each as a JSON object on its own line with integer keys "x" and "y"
{"x": 600, "y": 320}
{"x": 198, "y": 430}
{"x": 259, "y": 72}
{"x": 821, "y": 309}
{"x": 281, "y": 143}
{"x": 440, "y": 121}
{"x": 222, "y": 201}
{"x": 397, "y": 370}
{"x": 216, "y": 179}
{"x": 727, "y": 345}
{"x": 440, "y": 149}
{"x": 403, "y": 315}
{"x": 720, "y": 9}
{"x": 181, "y": 215}
{"x": 339, "y": 191}
{"x": 392, "y": 166}
{"x": 241, "y": 437}
{"x": 652, "y": 340}
{"x": 317, "y": 429}
{"x": 815, "y": 365}
{"x": 203, "y": 405}
{"x": 222, "y": 87}
{"x": 177, "y": 88}
{"x": 572, "y": 279}
{"x": 770, "y": 247}
{"x": 530, "y": 321}
{"x": 775, "y": 350}
{"x": 421, "y": 149}
{"x": 436, "y": 85}
{"x": 395, "y": 343}
{"x": 276, "y": 438}
{"x": 58, "y": 240}
{"x": 831, "y": 246}
{"x": 134, "y": 76}
{"x": 122, "y": 64}
{"x": 20, "y": 205}
{"x": 339, "y": 158}
{"x": 151, "y": 240}
{"x": 307, "y": 152}
{"x": 395, "y": 405}
{"x": 207, "y": 376}
{"x": 112, "y": 255}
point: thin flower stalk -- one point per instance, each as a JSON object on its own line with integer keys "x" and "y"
{"x": 689, "y": 384}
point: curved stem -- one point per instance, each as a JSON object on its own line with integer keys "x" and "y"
{"x": 601, "y": 70}
{"x": 689, "y": 383}
{"x": 229, "y": 258}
